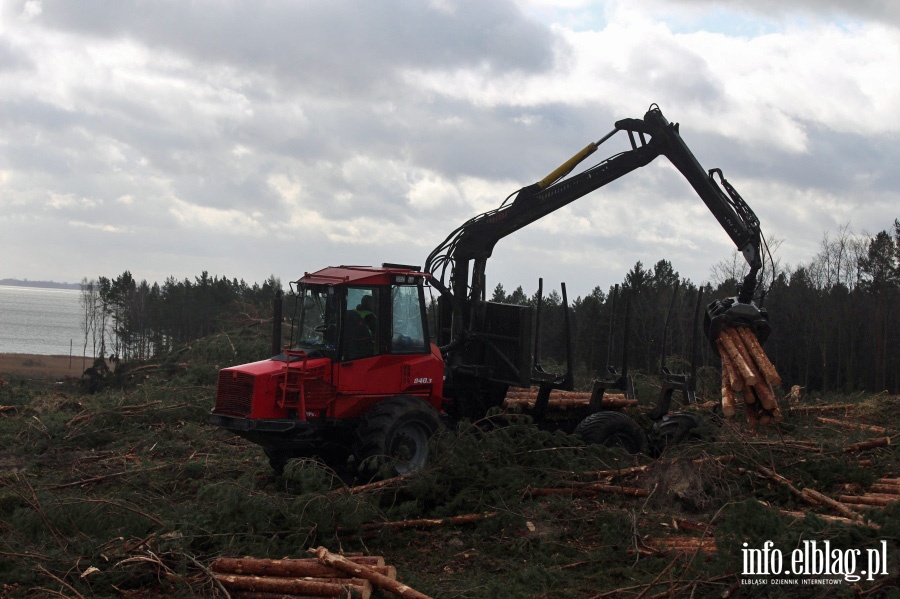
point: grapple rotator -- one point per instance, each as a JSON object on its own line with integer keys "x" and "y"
{"x": 731, "y": 312}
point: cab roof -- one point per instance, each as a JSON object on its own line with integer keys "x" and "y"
{"x": 361, "y": 275}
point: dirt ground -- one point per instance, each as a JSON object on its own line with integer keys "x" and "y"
{"x": 35, "y": 366}
{"x": 130, "y": 492}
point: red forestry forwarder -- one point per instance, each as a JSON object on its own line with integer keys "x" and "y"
{"x": 362, "y": 377}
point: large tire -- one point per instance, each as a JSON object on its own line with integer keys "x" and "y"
{"x": 278, "y": 459}
{"x": 673, "y": 429}
{"x": 613, "y": 429}
{"x": 393, "y": 436}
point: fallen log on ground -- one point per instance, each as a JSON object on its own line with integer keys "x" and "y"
{"x": 428, "y": 522}
{"x": 825, "y": 408}
{"x": 259, "y": 595}
{"x": 619, "y": 472}
{"x": 799, "y": 515}
{"x": 681, "y": 544}
{"x": 585, "y": 489}
{"x": 685, "y": 524}
{"x": 376, "y": 486}
{"x": 358, "y": 570}
{"x": 870, "y": 444}
{"x": 291, "y": 568}
{"x": 787, "y": 444}
{"x": 878, "y": 430}
{"x": 815, "y": 497}
{"x": 772, "y": 475}
{"x": 809, "y": 495}
{"x": 324, "y": 587}
{"x": 876, "y": 500}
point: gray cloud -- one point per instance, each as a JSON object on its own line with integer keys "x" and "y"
{"x": 255, "y": 138}
{"x": 339, "y": 47}
{"x": 885, "y": 11}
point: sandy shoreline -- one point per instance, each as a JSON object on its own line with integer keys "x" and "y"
{"x": 37, "y": 366}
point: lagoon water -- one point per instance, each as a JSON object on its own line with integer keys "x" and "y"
{"x": 40, "y": 321}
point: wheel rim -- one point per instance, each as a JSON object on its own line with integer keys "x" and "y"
{"x": 410, "y": 447}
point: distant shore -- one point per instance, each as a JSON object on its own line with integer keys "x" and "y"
{"x": 37, "y": 366}
{"x": 39, "y": 284}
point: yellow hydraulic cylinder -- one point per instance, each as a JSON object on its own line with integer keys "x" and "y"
{"x": 568, "y": 165}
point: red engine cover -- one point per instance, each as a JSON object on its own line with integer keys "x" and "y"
{"x": 341, "y": 390}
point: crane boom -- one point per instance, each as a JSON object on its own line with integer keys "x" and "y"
{"x": 466, "y": 250}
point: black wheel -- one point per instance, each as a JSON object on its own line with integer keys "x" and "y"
{"x": 613, "y": 429}
{"x": 278, "y": 459}
{"x": 395, "y": 434}
{"x": 672, "y": 429}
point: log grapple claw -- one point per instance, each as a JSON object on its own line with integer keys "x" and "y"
{"x": 729, "y": 312}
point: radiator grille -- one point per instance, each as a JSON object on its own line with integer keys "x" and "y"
{"x": 234, "y": 394}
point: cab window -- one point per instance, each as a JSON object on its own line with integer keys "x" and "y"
{"x": 407, "y": 322}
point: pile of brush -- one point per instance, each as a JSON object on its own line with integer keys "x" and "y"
{"x": 747, "y": 373}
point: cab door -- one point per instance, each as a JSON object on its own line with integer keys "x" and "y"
{"x": 389, "y": 363}
{"x": 362, "y": 345}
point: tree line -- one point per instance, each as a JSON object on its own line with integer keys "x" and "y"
{"x": 130, "y": 320}
{"x": 835, "y": 319}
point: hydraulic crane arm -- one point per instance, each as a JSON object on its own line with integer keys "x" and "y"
{"x": 467, "y": 249}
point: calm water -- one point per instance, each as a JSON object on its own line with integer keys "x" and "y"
{"x": 40, "y": 321}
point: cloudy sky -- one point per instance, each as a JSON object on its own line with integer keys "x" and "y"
{"x": 256, "y": 138}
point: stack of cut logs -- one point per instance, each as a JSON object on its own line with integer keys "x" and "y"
{"x": 327, "y": 575}
{"x": 564, "y": 400}
{"x": 747, "y": 371}
{"x": 882, "y": 493}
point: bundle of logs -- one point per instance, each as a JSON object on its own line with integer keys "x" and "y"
{"x": 747, "y": 373}
{"x": 326, "y": 575}
{"x": 564, "y": 400}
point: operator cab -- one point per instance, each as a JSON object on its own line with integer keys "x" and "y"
{"x": 351, "y": 313}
